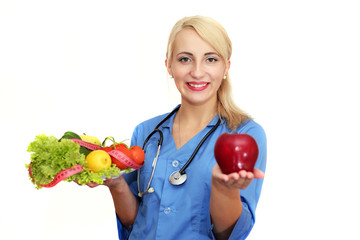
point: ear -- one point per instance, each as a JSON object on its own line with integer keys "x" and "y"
{"x": 168, "y": 67}
{"x": 227, "y": 67}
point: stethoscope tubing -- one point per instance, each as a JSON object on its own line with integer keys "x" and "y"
{"x": 182, "y": 170}
{"x": 181, "y": 173}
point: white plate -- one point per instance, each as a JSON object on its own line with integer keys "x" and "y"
{"x": 121, "y": 173}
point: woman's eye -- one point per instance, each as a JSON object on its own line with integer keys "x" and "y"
{"x": 212, "y": 59}
{"x": 184, "y": 59}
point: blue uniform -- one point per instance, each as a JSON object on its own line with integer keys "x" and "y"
{"x": 182, "y": 212}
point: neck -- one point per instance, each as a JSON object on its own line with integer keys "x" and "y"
{"x": 190, "y": 120}
{"x": 197, "y": 115}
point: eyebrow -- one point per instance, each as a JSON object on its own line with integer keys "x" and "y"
{"x": 206, "y": 54}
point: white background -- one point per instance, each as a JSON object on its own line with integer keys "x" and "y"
{"x": 97, "y": 67}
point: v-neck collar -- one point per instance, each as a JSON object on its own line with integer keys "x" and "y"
{"x": 170, "y": 121}
{"x": 169, "y": 125}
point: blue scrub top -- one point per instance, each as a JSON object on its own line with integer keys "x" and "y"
{"x": 182, "y": 212}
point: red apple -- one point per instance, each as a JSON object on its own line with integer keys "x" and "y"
{"x": 235, "y": 152}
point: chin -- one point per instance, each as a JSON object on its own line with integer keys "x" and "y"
{"x": 197, "y": 101}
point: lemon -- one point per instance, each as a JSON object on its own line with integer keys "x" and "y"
{"x": 90, "y": 139}
{"x": 98, "y": 160}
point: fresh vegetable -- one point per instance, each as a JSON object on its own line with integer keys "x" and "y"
{"x": 72, "y": 135}
{"x": 114, "y": 160}
{"x": 98, "y": 160}
{"x": 49, "y": 156}
{"x": 125, "y": 150}
{"x": 79, "y": 158}
{"x": 137, "y": 154}
{"x": 235, "y": 152}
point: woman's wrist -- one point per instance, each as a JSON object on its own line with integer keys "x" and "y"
{"x": 225, "y": 208}
{"x": 116, "y": 185}
{"x": 221, "y": 188}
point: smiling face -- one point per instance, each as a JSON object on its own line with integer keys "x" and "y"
{"x": 196, "y": 67}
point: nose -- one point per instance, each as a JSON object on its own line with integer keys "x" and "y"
{"x": 197, "y": 70}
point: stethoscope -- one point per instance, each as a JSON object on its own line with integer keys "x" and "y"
{"x": 177, "y": 177}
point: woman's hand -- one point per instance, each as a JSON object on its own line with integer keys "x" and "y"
{"x": 236, "y": 180}
{"x": 225, "y": 201}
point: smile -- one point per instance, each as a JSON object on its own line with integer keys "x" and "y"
{"x": 197, "y": 86}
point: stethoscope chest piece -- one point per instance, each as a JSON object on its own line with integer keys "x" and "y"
{"x": 176, "y": 178}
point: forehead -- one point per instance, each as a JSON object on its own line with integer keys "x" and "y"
{"x": 188, "y": 40}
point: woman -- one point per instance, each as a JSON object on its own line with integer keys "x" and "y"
{"x": 209, "y": 204}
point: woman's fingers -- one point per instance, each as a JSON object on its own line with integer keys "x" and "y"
{"x": 258, "y": 173}
{"x": 89, "y": 184}
{"x": 240, "y": 180}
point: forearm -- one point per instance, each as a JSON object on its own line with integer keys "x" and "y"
{"x": 125, "y": 203}
{"x": 225, "y": 209}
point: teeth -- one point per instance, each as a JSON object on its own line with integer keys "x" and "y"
{"x": 197, "y": 85}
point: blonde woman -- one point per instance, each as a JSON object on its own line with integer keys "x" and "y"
{"x": 200, "y": 202}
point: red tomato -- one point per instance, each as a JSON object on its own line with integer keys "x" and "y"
{"x": 114, "y": 160}
{"x": 106, "y": 149}
{"x": 137, "y": 154}
{"x": 123, "y": 148}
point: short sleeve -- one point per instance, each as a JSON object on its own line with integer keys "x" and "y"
{"x": 250, "y": 196}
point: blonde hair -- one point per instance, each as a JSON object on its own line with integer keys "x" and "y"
{"x": 214, "y": 34}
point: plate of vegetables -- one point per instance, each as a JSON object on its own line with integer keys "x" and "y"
{"x": 80, "y": 157}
